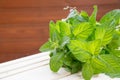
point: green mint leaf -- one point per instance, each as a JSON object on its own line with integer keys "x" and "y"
{"x": 65, "y": 40}
{"x": 115, "y": 41}
{"x": 87, "y": 71}
{"x": 56, "y": 61}
{"x": 64, "y": 28}
{"x": 112, "y": 63}
{"x": 76, "y": 18}
{"x": 94, "y": 46}
{"x": 73, "y": 21}
{"x": 104, "y": 34}
{"x": 98, "y": 65}
{"x": 84, "y": 15}
{"x": 81, "y": 55}
{"x": 49, "y": 46}
{"x": 79, "y": 50}
{"x": 77, "y": 44}
{"x": 113, "y": 15}
{"x": 54, "y": 35}
{"x": 68, "y": 60}
{"x": 114, "y": 45}
{"x": 92, "y": 18}
{"x": 91, "y": 37}
{"x": 116, "y": 52}
{"x": 45, "y": 47}
{"x": 83, "y": 30}
{"x": 71, "y": 64}
{"x": 75, "y": 66}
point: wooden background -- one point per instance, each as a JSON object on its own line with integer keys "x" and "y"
{"x": 24, "y": 23}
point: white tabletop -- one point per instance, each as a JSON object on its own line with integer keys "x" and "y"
{"x": 36, "y": 67}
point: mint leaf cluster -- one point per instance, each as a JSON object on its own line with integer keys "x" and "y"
{"x": 81, "y": 43}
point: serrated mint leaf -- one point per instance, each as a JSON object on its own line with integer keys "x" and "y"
{"x": 54, "y": 35}
{"x": 112, "y": 63}
{"x": 65, "y": 40}
{"x": 84, "y": 15}
{"x": 45, "y": 47}
{"x": 72, "y": 64}
{"x": 116, "y": 52}
{"x": 77, "y": 44}
{"x": 68, "y": 60}
{"x": 75, "y": 66}
{"x": 87, "y": 71}
{"x": 113, "y": 15}
{"x": 56, "y": 61}
{"x": 114, "y": 45}
{"x": 79, "y": 50}
{"x": 49, "y": 46}
{"x": 91, "y": 37}
{"x": 104, "y": 34}
{"x": 64, "y": 28}
{"x": 92, "y": 18}
{"x": 73, "y": 21}
{"x": 98, "y": 65}
{"x": 83, "y": 30}
{"x": 115, "y": 41}
{"x": 81, "y": 55}
{"x": 94, "y": 46}
{"x": 78, "y": 18}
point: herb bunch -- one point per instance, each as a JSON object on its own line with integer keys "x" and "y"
{"x": 80, "y": 43}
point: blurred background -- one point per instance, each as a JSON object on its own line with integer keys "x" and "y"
{"x": 24, "y": 23}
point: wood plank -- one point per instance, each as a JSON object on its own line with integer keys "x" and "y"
{"x": 39, "y": 73}
{"x": 92, "y": 2}
{"x": 4, "y": 57}
{"x": 23, "y": 69}
{"x": 25, "y": 40}
{"x": 21, "y": 46}
{"x": 13, "y": 62}
{"x": 27, "y": 64}
{"x": 7, "y": 53}
{"x": 38, "y": 68}
{"x": 10, "y": 50}
{"x": 23, "y": 31}
{"x": 30, "y": 16}
{"x": 44, "y": 3}
{"x": 30, "y": 3}
{"x": 44, "y": 15}
{"x": 23, "y": 64}
{"x": 75, "y": 76}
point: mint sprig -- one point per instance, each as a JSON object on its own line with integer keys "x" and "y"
{"x": 80, "y": 43}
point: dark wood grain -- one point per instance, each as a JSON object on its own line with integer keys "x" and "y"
{"x": 23, "y": 31}
{"x": 54, "y": 3}
{"x": 12, "y": 49}
{"x": 24, "y": 24}
{"x": 31, "y": 15}
{"x": 15, "y": 49}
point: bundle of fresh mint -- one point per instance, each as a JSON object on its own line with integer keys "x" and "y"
{"x": 80, "y": 43}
